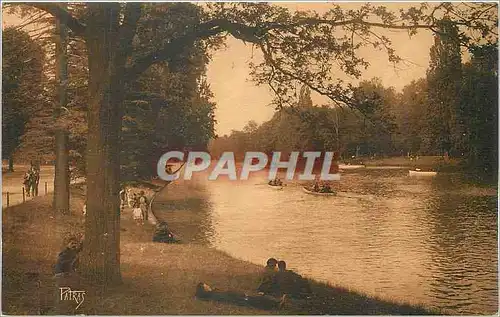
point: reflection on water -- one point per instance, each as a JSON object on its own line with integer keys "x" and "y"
{"x": 386, "y": 234}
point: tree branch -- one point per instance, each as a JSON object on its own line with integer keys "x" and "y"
{"x": 334, "y": 97}
{"x": 172, "y": 48}
{"x": 252, "y": 34}
{"x": 63, "y": 15}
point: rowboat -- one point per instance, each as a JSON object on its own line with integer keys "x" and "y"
{"x": 310, "y": 192}
{"x": 422, "y": 173}
{"x": 386, "y": 167}
{"x": 275, "y": 187}
{"x": 350, "y": 167}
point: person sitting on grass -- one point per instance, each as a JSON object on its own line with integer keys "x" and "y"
{"x": 291, "y": 283}
{"x": 67, "y": 259}
{"x": 163, "y": 234}
{"x": 206, "y": 292}
{"x": 268, "y": 279}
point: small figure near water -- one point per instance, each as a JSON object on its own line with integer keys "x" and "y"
{"x": 137, "y": 211}
{"x": 163, "y": 234}
{"x": 168, "y": 169}
{"x": 318, "y": 187}
{"x": 326, "y": 189}
{"x": 275, "y": 182}
{"x": 123, "y": 198}
{"x": 143, "y": 205}
{"x": 130, "y": 198}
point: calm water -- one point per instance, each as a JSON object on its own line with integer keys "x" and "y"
{"x": 430, "y": 240}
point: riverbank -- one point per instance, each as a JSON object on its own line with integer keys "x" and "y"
{"x": 455, "y": 166}
{"x": 158, "y": 279}
{"x": 429, "y": 162}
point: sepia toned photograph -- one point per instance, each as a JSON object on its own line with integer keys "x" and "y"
{"x": 249, "y": 158}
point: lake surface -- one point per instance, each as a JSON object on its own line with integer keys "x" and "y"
{"x": 432, "y": 241}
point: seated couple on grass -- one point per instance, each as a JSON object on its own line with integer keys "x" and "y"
{"x": 280, "y": 281}
{"x": 276, "y": 287}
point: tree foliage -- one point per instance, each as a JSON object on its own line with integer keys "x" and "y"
{"x": 22, "y": 89}
{"x": 411, "y": 117}
{"x": 478, "y": 108}
{"x": 443, "y": 78}
{"x": 368, "y": 129}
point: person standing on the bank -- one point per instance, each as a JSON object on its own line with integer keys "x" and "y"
{"x": 35, "y": 180}
{"x": 143, "y": 204}
{"x": 27, "y": 182}
{"x": 123, "y": 198}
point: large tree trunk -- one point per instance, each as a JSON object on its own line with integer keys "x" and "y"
{"x": 11, "y": 163}
{"x": 61, "y": 177}
{"x": 101, "y": 254}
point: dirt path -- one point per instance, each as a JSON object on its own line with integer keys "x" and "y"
{"x": 12, "y": 183}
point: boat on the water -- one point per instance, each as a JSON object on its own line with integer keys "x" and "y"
{"x": 350, "y": 167}
{"x": 422, "y": 173}
{"x": 275, "y": 187}
{"x": 386, "y": 167}
{"x": 310, "y": 192}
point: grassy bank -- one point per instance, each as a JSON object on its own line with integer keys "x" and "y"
{"x": 158, "y": 279}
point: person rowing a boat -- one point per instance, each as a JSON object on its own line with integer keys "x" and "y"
{"x": 168, "y": 169}
{"x": 315, "y": 186}
{"x": 275, "y": 182}
{"x": 326, "y": 188}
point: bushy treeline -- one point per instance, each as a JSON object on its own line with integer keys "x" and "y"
{"x": 453, "y": 111}
{"x": 169, "y": 107}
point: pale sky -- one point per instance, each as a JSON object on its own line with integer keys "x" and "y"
{"x": 240, "y": 100}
